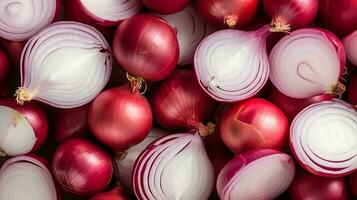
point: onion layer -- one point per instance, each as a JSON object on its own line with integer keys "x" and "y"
{"x": 164, "y": 6}
{"x": 66, "y": 65}
{"x": 317, "y": 129}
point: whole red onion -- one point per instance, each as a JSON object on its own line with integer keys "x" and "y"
{"x": 254, "y": 124}
{"x": 179, "y": 103}
{"x": 115, "y": 194}
{"x": 228, "y": 13}
{"x": 146, "y": 46}
{"x": 120, "y": 117}
{"x": 14, "y": 50}
{"x": 4, "y": 67}
{"x": 352, "y": 90}
{"x": 353, "y": 183}
{"x": 164, "y": 6}
{"x": 307, "y": 186}
{"x": 81, "y": 167}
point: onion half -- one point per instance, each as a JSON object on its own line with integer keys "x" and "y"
{"x": 323, "y": 138}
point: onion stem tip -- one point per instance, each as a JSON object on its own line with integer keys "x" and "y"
{"x": 121, "y": 155}
{"x": 22, "y": 95}
{"x": 279, "y": 27}
{"x": 2, "y": 153}
{"x": 231, "y": 20}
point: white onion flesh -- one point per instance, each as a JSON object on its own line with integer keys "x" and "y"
{"x": 174, "y": 167}
{"x": 17, "y": 136}
{"x": 350, "y": 43}
{"x": 24, "y": 177}
{"x": 66, "y": 65}
{"x": 233, "y": 65}
{"x": 324, "y": 138}
{"x": 21, "y": 19}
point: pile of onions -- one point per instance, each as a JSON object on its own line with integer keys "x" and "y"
{"x": 174, "y": 167}
{"x": 115, "y": 194}
{"x": 120, "y": 117}
{"x": 23, "y": 129}
{"x": 233, "y": 65}
{"x": 308, "y": 62}
{"x": 290, "y": 14}
{"x": 228, "y": 13}
{"x": 190, "y": 31}
{"x": 291, "y": 106}
{"x": 352, "y": 94}
{"x": 261, "y": 174}
{"x": 146, "y": 46}
{"x": 339, "y": 16}
{"x": 323, "y": 137}
{"x": 180, "y": 104}
{"x": 254, "y": 124}
{"x": 26, "y": 177}
{"x": 350, "y": 43}
{"x": 103, "y": 12}
{"x": 125, "y": 160}
{"x": 21, "y": 19}
{"x": 165, "y": 7}
{"x": 4, "y": 68}
{"x": 309, "y": 186}
{"x": 82, "y": 167}
{"x": 65, "y": 65}
{"x": 353, "y": 183}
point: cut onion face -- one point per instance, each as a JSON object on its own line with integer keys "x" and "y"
{"x": 324, "y": 138}
{"x": 262, "y": 174}
{"x": 233, "y": 65}
{"x": 66, "y": 65}
{"x": 21, "y": 19}
{"x": 174, "y": 167}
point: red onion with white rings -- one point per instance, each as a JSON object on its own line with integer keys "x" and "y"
{"x": 174, "y": 167}
{"x": 228, "y": 13}
{"x": 81, "y": 167}
{"x": 352, "y": 94}
{"x": 233, "y": 65}
{"x": 260, "y": 174}
{"x": 65, "y": 65}
{"x": 318, "y": 128}
{"x": 146, "y": 46}
{"x": 350, "y": 43}
{"x": 307, "y": 63}
{"x": 4, "y": 67}
{"x": 21, "y": 19}
{"x": 164, "y": 6}
{"x": 115, "y": 194}
{"x": 353, "y": 183}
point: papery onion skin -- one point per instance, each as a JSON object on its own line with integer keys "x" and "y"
{"x": 81, "y": 167}
{"x": 339, "y": 16}
{"x": 228, "y": 13}
{"x": 4, "y": 67}
{"x": 164, "y": 6}
{"x": 308, "y": 186}
{"x": 254, "y": 124}
{"x": 179, "y": 103}
{"x": 146, "y": 46}
{"x": 294, "y": 14}
{"x": 14, "y": 50}
{"x": 115, "y": 194}
{"x": 353, "y": 183}
{"x": 352, "y": 90}
{"x": 350, "y": 43}
{"x": 120, "y": 118}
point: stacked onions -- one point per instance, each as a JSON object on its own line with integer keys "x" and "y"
{"x": 164, "y": 6}
{"x": 324, "y": 138}
{"x": 65, "y": 65}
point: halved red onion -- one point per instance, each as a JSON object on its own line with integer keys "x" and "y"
{"x": 125, "y": 161}
{"x": 26, "y": 177}
{"x": 174, "y": 167}
{"x": 323, "y": 138}
{"x": 21, "y": 19}
{"x": 261, "y": 174}
{"x": 307, "y": 63}
{"x": 103, "y": 12}
{"x": 233, "y": 65}
{"x": 164, "y": 6}
{"x": 65, "y": 65}
{"x": 350, "y": 43}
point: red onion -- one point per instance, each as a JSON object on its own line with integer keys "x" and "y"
{"x": 120, "y": 117}
{"x": 4, "y": 67}
{"x": 104, "y": 12}
{"x": 146, "y": 46}
{"x": 26, "y": 177}
{"x": 115, "y": 194}
{"x": 23, "y": 128}
{"x": 290, "y": 14}
{"x": 307, "y": 63}
{"x": 69, "y": 123}
{"x": 350, "y": 43}
{"x": 308, "y": 186}
{"x": 14, "y": 50}
{"x": 190, "y": 31}
{"x": 66, "y": 65}
{"x": 254, "y": 124}
{"x": 352, "y": 94}
{"x": 164, "y": 6}
{"x": 339, "y": 16}
{"x": 353, "y": 183}
{"x": 125, "y": 160}
{"x": 82, "y": 167}
{"x": 228, "y": 13}
{"x": 221, "y": 62}
{"x": 323, "y": 137}
{"x": 290, "y": 106}
{"x": 180, "y": 104}
{"x": 21, "y": 19}
{"x": 261, "y": 174}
